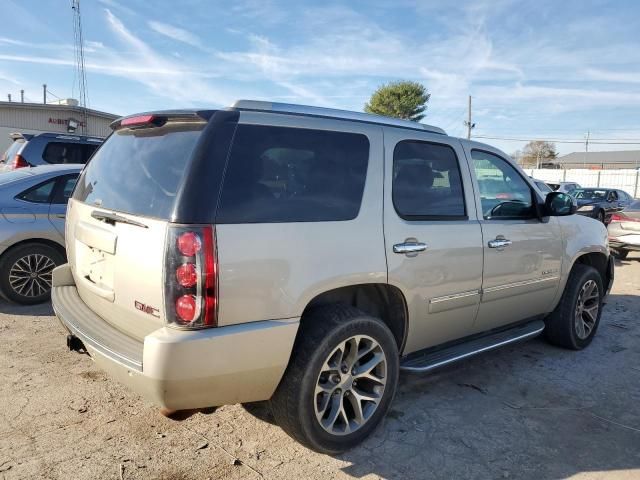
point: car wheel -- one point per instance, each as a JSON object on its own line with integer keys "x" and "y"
{"x": 26, "y": 272}
{"x": 340, "y": 381}
{"x": 620, "y": 254}
{"x": 575, "y": 320}
{"x": 601, "y": 216}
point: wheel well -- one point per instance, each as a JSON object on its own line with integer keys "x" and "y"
{"x": 383, "y": 301}
{"x": 595, "y": 260}
{"x": 43, "y": 241}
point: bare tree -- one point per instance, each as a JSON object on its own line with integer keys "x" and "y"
{"x": 537, "y": 153}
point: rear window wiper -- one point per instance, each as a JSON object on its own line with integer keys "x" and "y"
{"x": 112, "y": 218}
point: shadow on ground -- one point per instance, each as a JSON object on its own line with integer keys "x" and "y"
{"x": 42, "y": 309}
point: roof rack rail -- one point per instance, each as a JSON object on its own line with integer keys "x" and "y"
{"x": 257, "y": 105}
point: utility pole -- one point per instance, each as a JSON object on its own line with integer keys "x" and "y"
{"x": 80, "y": 68}
{"x": 21, "y": 96}
{"x": 468, "y": 122}
{"x": 586, "y": 148}
{"x": 44, "y": 93}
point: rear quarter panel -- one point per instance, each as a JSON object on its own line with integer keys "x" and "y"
{"x": 272, "y": 270}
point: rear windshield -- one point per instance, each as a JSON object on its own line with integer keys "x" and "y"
{"x": 13, "y": 175}
{"x": 12, "y": 150}
{"x": 139, "y": 171}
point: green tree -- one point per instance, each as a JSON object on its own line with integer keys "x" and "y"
{"x": 404, "y": 99}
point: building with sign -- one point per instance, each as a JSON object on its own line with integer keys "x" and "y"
{"x": 62, "y": 117}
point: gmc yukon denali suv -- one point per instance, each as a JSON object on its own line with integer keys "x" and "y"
{"x": 305, "y": 256}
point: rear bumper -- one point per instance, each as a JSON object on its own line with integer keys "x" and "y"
{"x": 178, "y": 369}
{"x": 621, "y": 243}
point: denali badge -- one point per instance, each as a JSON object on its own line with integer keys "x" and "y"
{"x": 147, "y": 309}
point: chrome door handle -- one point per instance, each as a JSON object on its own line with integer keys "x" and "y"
{"x": 499, "y": 243}
{"x": 409, "y": 247}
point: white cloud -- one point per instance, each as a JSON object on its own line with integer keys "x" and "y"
{"x": 174, "y": 33}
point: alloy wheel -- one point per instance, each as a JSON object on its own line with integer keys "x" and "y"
{"x": 30, "y": 276}
{"x": 587, "y": 307}
{"x": 350, "y": 385}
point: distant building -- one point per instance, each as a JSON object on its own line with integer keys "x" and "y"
{"x": 598, "y": 160}
{"x": 64, "y": 116}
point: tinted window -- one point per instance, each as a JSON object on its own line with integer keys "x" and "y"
{"x": 590, "y": 194}
{"x": 544, "y": 188}
{"x": 426, "y": 181}
{"x": 64, "y": 189}
{"x": 40, "y": 193}
{"x": 60, "y": 152}
{"x": 503, "y": 191}
{"x": 278, "y": 174}
{"x": 139, "y": 171}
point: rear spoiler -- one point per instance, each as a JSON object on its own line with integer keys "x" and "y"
{"x": 21, "y": 136}
{"x": 157, "y": 119}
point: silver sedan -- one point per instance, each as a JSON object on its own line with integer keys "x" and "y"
{"x": 33, "y": 203}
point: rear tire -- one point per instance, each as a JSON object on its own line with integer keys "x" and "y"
{"x": 340, "y": 381}
{"x": 25, "y": 272}
{"x": 575, "y": 320}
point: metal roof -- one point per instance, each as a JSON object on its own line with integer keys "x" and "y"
{"x": 290, "y": 108}
{"x": 631, "y": 157}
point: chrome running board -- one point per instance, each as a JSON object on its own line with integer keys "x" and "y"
{"x": 430, "y": 359}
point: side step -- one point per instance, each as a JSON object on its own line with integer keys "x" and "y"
{"x": 430, "y": 359}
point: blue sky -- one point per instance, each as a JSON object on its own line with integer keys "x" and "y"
{"x": 543, "y": 69}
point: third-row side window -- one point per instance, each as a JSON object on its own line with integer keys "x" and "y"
{"x": 426, "y": 181}
{"x": 281, "y": 174}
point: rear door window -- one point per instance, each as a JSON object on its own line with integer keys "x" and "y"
{"x": 280, "y": 174}
{"x": 40, "y": 193}
{"x": 64, "y": 189}
{"x": 139, "y": 171}
{"x": 427, "y": 184}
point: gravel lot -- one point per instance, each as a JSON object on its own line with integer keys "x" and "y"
{"x": 529, "y": 411}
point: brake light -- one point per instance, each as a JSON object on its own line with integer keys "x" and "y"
{"x": 191, "y": 277}
{"x": 137, "y": 120}
{"x": 19, "y": 162}
{"x": 620, "y": 217}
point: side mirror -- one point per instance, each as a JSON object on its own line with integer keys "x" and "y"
{"x": 559, "y": 204}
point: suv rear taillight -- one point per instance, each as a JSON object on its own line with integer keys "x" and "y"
{"x": 191, "y": 277}
{"x": 19, "y": 162}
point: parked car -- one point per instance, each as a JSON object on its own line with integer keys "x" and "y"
{"x": 624, "y": 199}
{"x": 47, "y": 148}
{"x": 598, "y": 203}
{"x": 542, "y": 186}
{"x": 305, "y": 256}
{"x": 33, "y": 202}
{"x": 624, "y": 231}
{"x": 566, "y": 187}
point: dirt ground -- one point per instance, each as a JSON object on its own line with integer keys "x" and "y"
{"x": 530, "y": 411}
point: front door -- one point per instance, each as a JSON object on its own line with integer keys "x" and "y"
{"x": 522, "y": 253}
{"x": 432, "y": 235}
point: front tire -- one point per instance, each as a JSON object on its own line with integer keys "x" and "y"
{"x": 25, "y": 272}
{"x": 340, "y": 381}
{"x": 575, "y": 320}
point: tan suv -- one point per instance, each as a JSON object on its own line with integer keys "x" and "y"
{"x": 305, "y": 256}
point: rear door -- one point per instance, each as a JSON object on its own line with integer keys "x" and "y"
{"x": 433, "y": 238}
{"x": 522, "y": 253}
{"x": 133, "y": 178}
{"x": 61, "y": 194}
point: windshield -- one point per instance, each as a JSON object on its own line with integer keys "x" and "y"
{"x": 139, "y": 171}
{"x": 590, "y": 194}
{"x": 12, "y": 150}
{"x": 544, "y": 188}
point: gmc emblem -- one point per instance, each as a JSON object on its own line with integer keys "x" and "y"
{"x": 147, "y": 309}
